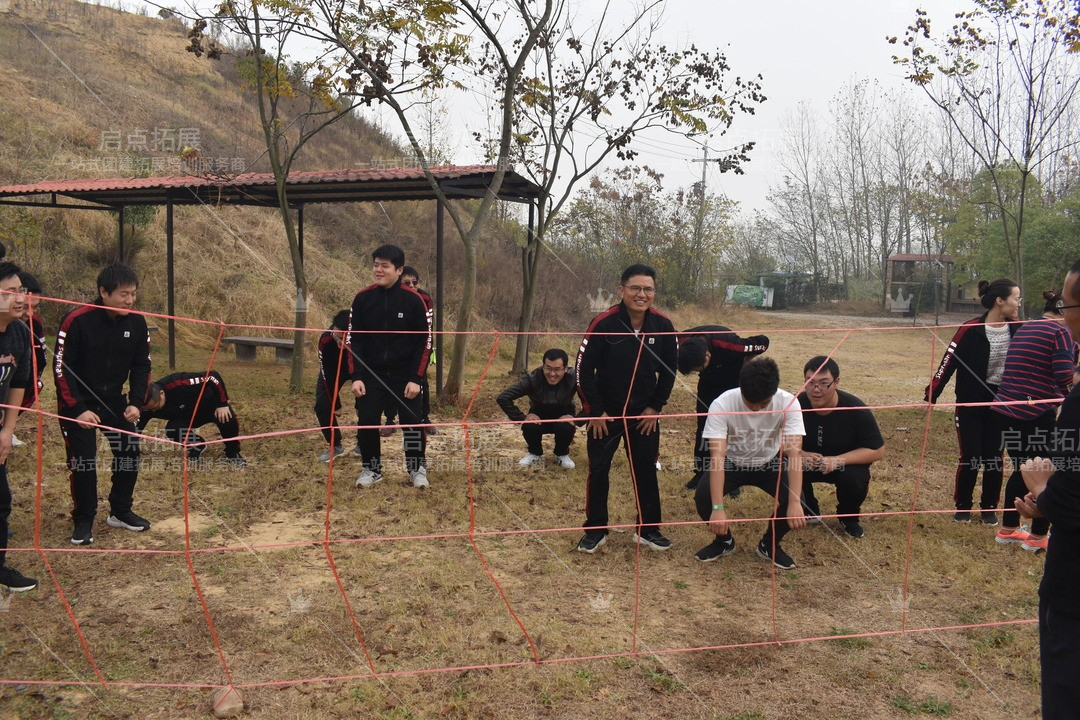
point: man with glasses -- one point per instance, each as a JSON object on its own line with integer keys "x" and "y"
{"x": 550, "y": 389}
{"x": 410, "y": 278}
{"x": 842, "y": 439}
{"x": 626, "y": 370}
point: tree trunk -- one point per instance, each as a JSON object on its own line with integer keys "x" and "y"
{"x": 456, "y": 372}
{"x": 528, "y": 296}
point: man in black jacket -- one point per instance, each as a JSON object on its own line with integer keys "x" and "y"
{"x": 1055, "y": 494}
{"x": 99, "y": 347}
{"x": 411, "y": 278}
{"x": 15, "y": 377}
{"x": 717, "y": 355}
{"x": 626, "y": 370}
{"x": 550, "y": 389}
{"x": 191, "y": 400}
{"x": 388, "y": 346}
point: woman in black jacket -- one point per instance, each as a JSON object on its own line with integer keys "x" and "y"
{"x": 977, "y": 356}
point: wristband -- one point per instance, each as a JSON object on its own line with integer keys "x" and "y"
{"x": 717, "y": 507}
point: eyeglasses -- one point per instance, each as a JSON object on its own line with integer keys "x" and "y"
{"x": 1060, "y": 305}
{"x": 820, "y": 384}
{"x": 636, "y": 289}
{"x": 410, "y": 283}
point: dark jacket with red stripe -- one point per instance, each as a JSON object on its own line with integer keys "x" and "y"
{"x": 606, "y": 363}
{"x": 96, "y": 353}
{"x": 332, "y": 364}
{"x": 183, "y": 392}
{"x": 968, "y": 355}
{"x": 378, "y": 345}
{"x": 727, "y": 351}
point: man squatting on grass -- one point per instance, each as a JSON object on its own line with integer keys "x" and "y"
{"x": 1054, "y": 493}
{"x": 99, "y": 347}
{"x": 551, "y": 389}
{"x": 387, "y": 348}
{"x": 755, "y": 433}
{"x": 839, "y": 446}
{"x": 15, "y": 378}
{"x": 626, "y": 368}
{"x": 188, "y": 401}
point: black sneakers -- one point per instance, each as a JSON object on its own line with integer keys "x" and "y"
{"x": 83, "y": 533}
{"x": 14, "y": 581}
{"x": 989, "y": 517}
{"x": 591, "y": 540}
{"x": 962, "y": 516}
{"x": 652, "y": 539}
{"x": 237, "y": 460}
{"x": 128, "y": 521}
{"x": 782, "y": 560}
{"x": 852, "y": 527}
{"x": 718, "y": 548}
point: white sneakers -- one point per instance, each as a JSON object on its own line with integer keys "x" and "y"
{"x": 370, "y": 477}
{"x": 529, "y": 460}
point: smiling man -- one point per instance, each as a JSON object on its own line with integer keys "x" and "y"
{"x": 99, "y": 348}
{"x": 15, "y": 378}
{"x": 551, "y": 389}
{"x": 388, "y": 345}
{"x": 626, "y": 369}
{"x": 842, "y": 439}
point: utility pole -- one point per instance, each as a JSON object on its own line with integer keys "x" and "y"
{"x": 699, "y": 225}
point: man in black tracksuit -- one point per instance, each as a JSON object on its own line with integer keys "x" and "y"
{"x": 15, "y": 378}
{"x": 190, "y": 400}
{"x": 99, "y": 347}
{"x": 626, "y": 370}
{"x": 717, "y": 355}
{"x": 388, "y": 346}
{"x": 411, "y": 278}
{"x": 551, "y": 389}
{"x": 333, "y": 374}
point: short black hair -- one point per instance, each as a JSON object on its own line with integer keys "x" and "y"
{"x": 815, "y": 364}
{"x": 8, "y": 268}
{"x": 391, "y": 253}
{"x": 759, "y": 379}
{"x": 991, "y": 291}
{"x": 3, "y": 251}
{"x": 116, "y": 275}
{"x": 557, "y": 354}
{"x": 153, "y": 392}
{"x": 411, "y": 272}
{"x": 638, "y": 269}
{"x": 30, "y": 282}
{"x": 692, "y": 354}
{"x": 341, "y": 320}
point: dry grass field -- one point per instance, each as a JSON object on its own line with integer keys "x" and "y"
{"x": 619, "y": 634}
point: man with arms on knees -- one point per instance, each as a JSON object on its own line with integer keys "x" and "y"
{"x": 1055, "y": 494}
{"x": 15, "y": 377}
{"x": 188, "y": 401}
{"x": 755, "y": 434}
{"x": 99, "y": 347}
{"x": 717, "y": 355}
{"x": 839, "y": 446}
{"x": 387, "y": 347}
{"x": 550, "y": 389}
{"x": 626, "y": 368}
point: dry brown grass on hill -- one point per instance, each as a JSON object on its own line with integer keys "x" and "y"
{"x": 425, "y": 605}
